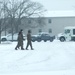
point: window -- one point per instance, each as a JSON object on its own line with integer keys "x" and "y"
{"x": 49, "y": 20}
{"x": 74, "y": 31}
{"x": 67, "y": 31}
{"x": 40, "y": 30}
{"x": 39, "y": 21}
{"x": 29, "y": 21}
{"x": 50, "y": 31}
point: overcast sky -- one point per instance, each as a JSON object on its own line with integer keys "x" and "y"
{"x": 53, "y": 5}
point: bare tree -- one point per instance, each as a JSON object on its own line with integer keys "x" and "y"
{"x": 17, "y": 10}
{"x": 27, "y": 9}
{"x": 2, "y": 19}
{"x": 11, "y": 10}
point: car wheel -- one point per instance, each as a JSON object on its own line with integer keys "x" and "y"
{"x": 62, "y": 39}
{"x": 45, "y": 40}
{"x": 33, "y": 40}
{"x": 39, "y": 40}
{"x": 51, "y": 40}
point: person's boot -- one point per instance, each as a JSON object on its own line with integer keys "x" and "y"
{"x": 32, "y": 49}
{"x": 22, "y": 48}
{"x": 26, "y": 49}
{"x": 16, "y": 48}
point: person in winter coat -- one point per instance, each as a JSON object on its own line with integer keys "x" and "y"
{"x": 29, "y": 40}
{"x": 20, "y": 40}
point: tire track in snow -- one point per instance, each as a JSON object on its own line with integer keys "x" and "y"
{"x": 36, "y": 62}
{"x": 25, "y": 56}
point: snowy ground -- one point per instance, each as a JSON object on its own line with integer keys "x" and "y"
{"x": 47, "y": 58}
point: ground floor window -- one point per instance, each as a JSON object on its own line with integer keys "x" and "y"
{"x": 40, "y": 30}
{"x": 50, "y": 30}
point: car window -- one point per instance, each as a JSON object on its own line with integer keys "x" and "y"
{"x": 67, "y": 31}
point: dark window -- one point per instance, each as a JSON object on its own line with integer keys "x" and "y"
{"x": 40, "y": 30}
{"x": 50, "y": 30}
{"x": 67, "y": 31}
{"x": 29, "y": 21}
{"x": 74, "y": 31}
{"x": 49, "y": 20}
{"x": 4, "y": 39}
{"x": 39, "y": 21}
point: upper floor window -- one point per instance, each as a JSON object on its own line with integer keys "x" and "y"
{"x": 49, "y": 20}
{"x": 39, "y": 21}
{"x": 29, "y": 21}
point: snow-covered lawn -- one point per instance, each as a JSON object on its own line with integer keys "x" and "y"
{"x": 47, "y": 58}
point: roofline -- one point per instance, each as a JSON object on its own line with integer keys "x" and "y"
{"x": 70, "y": 27}
{"x": 55, "y": 17}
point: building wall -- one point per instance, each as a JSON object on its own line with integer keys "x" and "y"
{"x": 57, "y": 24}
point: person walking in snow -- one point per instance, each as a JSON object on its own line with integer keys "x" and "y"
{"x": 20, "y": 41}
{"x": 29, "y": 40}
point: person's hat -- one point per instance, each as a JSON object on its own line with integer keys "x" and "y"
{"x": 21, "y": 30}
{"x": 29, "y": 31}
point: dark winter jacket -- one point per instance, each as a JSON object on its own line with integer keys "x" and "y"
{"x": 29, "y": 36}
{"x": 20, "y": 39}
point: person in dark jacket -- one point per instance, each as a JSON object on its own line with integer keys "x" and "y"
{"x": 29, "y": 40}
{"x": 20, "y": 40}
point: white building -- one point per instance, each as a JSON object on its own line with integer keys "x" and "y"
{"x": 53, "y": 22}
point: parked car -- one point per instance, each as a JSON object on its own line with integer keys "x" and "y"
{"x": 3, "y": 38}
{"x": 9, "y": 37}
{"x": 43, "y": 36}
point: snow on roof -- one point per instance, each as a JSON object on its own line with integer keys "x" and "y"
{"x": 69, "y": 13}
{"x": 70, "y": 27}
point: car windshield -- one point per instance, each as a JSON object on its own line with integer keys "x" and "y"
{"x": 67, "y": 31}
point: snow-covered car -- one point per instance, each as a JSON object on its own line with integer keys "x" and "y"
{"x": 9, "y": 37}
{"x": 43, "y": 36}
{"x": 3, "y": 38}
